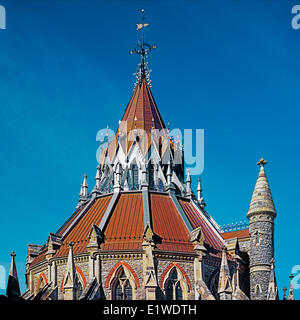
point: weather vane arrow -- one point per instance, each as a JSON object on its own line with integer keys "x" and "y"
{"x": 143, "y": 49}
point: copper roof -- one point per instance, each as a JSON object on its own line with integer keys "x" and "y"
{"x": 198, "y": 220}
{"x": 141, "y": 111}
{"x": 79, "y": 233}
{"x": 141, "y": 114}
{"x": 168, "y": 225}
{"x": 39, "y": 258}
{"x": 243, "y": 233}
{"x": 125, "y": 225}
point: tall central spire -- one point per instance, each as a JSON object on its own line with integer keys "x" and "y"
{"x": 143, "y": 49}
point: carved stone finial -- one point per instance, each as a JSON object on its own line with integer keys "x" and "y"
{"x": 291, "y": 289}
{"x": 262, "y": 162}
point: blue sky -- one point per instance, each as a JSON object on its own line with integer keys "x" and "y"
{"x": 230, "y": 67}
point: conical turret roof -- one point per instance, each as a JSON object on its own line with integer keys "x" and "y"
{"x": 141, "y": 116}
{"x": 141, "y": 111}
{"x": 261, "y": 200}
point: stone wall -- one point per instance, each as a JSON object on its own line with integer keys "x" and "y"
{"x": 136, "y": 264}
{"x": 186, "y": 265}
{"x": 261, "y": 230}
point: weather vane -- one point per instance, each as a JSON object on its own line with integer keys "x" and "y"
{"x": 143, "y": 49}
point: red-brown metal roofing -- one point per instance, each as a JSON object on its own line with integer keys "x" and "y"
{"x": 125, "y": 227}
{"x": 141, "y": 114}
{"x": 64, "y": 227}
{"x": 141, "y": 111}
{"x": 79, "y": 233}
{"x": 39, "y": 258}
{"x": 197, "y": 220}
{"x": 168, "y": 224}
{"x": 240, "y": 234}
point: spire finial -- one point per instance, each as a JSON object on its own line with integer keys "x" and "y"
{"x": 199, "y": 194}
{"x": 143, "y": 49}
{"x": 188, "y": 183}
{"x": 262, "y": 162}
{"x": 84, "y": 188}
{"x": 169, "y": 174}
{"x": 291, "y": 289}
{"x": 13, "y": 288}
{"x": 98, "y": 176}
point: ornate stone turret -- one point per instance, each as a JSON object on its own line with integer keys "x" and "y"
{"x": 84, "y": 187}
{"x": 188, "y": 184}
{"x": 225, "y": 287}
{"x": 199, "y": 194}
{"x": 272, "y": 289}
{"x": 83, "y": 194}
{"x": 261, "y": 216}
{"x": 98, "y": 177}
{"x": 13, "y": 288}
{"x": 70, "y": 283}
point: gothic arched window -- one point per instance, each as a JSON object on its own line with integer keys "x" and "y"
{"x": 118, "y": 292}
{"x": 42, "y": 281}
{"x": 160, "y": 185}
{"x": 122, "y": 289}
{"x": 79, "y": 289}
{"x": 135, "y": 176}
{"x": 258, "y": 291}
{"x": 173, "y": 288}
{"x": 214, "y": 283}
{"x": 257, "y": 239}
{"x": 178, "y": 291}
{"x": 41, "y": 284}
{"x": 151, "y": 174}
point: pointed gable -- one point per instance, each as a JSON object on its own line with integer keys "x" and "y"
{"x": 70, "y": 278}
{"x": 224, "y": 278}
